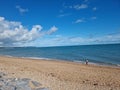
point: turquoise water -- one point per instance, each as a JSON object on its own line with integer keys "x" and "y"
{"x": 100, "y": 54}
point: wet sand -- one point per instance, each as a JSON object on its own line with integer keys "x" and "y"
{"x": 62, "y": 75}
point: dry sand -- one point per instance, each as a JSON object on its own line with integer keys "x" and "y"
{"x": 62, "y": 75}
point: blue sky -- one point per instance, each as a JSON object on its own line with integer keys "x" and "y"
{"x": 59, "y": 22}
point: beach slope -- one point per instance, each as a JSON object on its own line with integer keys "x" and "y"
{"x": 62, "y": 75}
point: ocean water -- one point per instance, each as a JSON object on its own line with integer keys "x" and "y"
{"x": 108, "y": 54}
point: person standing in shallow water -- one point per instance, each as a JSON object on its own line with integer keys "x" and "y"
{"x": 86, "y": 62}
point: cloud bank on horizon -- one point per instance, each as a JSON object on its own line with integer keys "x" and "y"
{"x": 80, "y": 22}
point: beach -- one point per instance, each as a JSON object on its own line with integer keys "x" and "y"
{"x": 62, "y": 75}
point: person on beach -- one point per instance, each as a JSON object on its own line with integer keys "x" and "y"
{"x": 86, "y": 62}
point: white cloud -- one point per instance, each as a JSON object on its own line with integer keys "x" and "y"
{"x": 60, "y": 40}
{"x": 21, "y": 10}
{"x": 52, "y": 30}
{"x": 106, "y": 39}
{"x": 94, "y": 9}
{"x": 14, "y": 33}
{"x": 2, "y": 18}
{"x": 76, "y": 6}
{"x": 63, "y": 15}
{"x": 82, "y": 6}
{"x": 79, "y": 21}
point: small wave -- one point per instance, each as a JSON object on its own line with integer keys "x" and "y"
{"x": 38, "y": 58}
{"x": 99, "y": 64}
{"x": 118, "y": 65}
{"x": 83, "y": 62}
{"x": 78, "y": 61}
{"x": 7, "y": 55}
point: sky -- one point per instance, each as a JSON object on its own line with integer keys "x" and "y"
{"x": 44, "y": 23}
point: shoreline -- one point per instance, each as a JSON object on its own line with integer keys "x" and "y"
{"x": 62, "y": 75}
{"x": 60, "y": 60}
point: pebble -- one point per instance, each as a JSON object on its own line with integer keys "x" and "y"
{"x": 19, "y": 84}
{"x": 2, "y": 74}
{"x": 42, "y": 89}
{"x": 95, "y": 84}
{"x": 36, "y": 84}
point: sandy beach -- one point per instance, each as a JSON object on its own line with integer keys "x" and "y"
{"x": 62, "y": 75}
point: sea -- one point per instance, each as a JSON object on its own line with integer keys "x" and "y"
{"x": 104, "y": 54}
